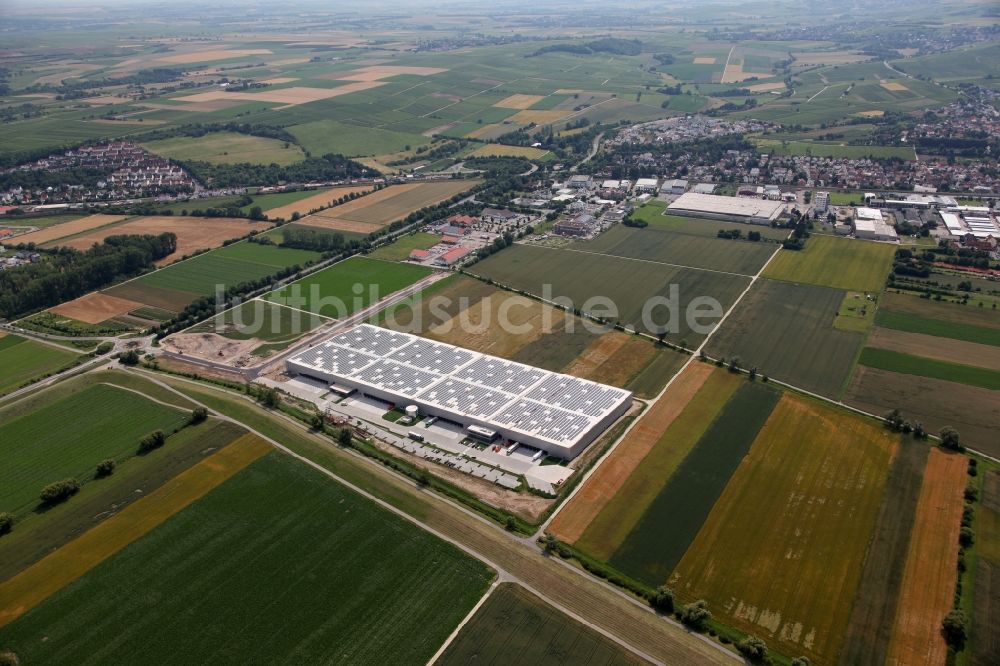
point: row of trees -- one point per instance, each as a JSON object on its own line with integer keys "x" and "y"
{"x": 65, "y": 274}
{"x": 325, "y": 168}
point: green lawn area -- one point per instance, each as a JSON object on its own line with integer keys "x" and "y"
{"x": 348, "y": 286}
{"x": 227, "y": 148}
{"x": 400, "y": 249}
{"x": 818, "y": 149}
{"x": 22, "y": 360}
{"x": 847, "y": 198}
{"x": 68, "y": 437}
{"x": 842, "y": 263}
{"x": 45, "y": 221}
{"x": 515, "y": 626}
{"x": 908, "y": 364}
{"x": 279, "y": 565}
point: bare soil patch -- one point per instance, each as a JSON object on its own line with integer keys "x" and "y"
{"x": 931, "y": 346}
{"x": 704, "y": 60}
{"x": 65, "y": 229}
{"x": 215, "y": 54}
{"x": 321, "y": 198}
{"x": 96, "y": 307}
{"x": 379, "y": 72}
{"x": 519, "y": 101}
{"x": 193, "y": 233}
{"x": 287, "y": 96}
{"x": 210, "y": 346}
{"x": 928, "y": 587}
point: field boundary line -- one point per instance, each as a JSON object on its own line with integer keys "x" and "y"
{"x": 475, "y": 609}
{"x": 650, "y": 261}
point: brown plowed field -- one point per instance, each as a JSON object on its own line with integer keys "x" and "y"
{"x": 608, "y": 479}
{"x": 928, "y": 588}
{"x": 96, "y": 307}
{"x": 193, "y": 233}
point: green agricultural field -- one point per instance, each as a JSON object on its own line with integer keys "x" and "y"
{"x": 515, "y": 626}
{"x": 941, "y": 328}
{"x": 261, "y": 320}
{"x": 908, "y": 364}
{"x": 227, "y": 148}
{"x": 400, "y": 249}
{"x": 672, "y": 521}
{"x": 629, "y": 284}
{"x": 787, "y": 332}
{"x": 330, "y": 136}
{"x": 68, "y": 437}
{"x": 22, "y": 360}
{"x": 199, "y": 276}
{"x": 841, "y": 263}
{"x": 41, "y": 222}
{"x": 653, "y": 215}
{"x": 288, "y": 554}
{"x": 658, "y": 245}
{"x": 348, "y": 286}
{"x": 820, "y": 149}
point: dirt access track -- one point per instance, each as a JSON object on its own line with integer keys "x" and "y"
{"x": 193, "y": 233}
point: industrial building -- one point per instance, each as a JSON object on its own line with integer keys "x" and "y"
{"x": 650, "y": 185}
{"x": 489, "y": 397}
{"x": 676, "y": 186}
{"x": 870, "y": 225}
{"x": 821, "y": 202}
{"x": 976, "y": 221}
{"x": 732, "y": 209}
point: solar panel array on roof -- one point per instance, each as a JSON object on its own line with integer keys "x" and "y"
{"x": 547, "y": 406}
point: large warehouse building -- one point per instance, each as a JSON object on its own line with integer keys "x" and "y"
{"x": 732, "y": 209}
{"x": 495, "y": 397}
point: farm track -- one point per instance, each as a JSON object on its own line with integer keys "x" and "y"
{"x": 595, "y": 603}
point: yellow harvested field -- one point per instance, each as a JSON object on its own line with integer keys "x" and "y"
{"x": 379, "y": 72}
{"x": 803, "y": 59}
{"x": 894, "y": 86}
{"x": 804, "y": 515}
{"x": 482, "y": 131}
{"x": 500, "y": 150}
{"x": 104, "y": 100}
{"x": 287, "y": 96}
{"x": 574, "y": 518}
{"x": 321, "y": 198}
{"x": 41, "y": 580}
{"x": 538, "y": 117}
{"x": 96, "y": 307}
{"x": 339, "y": 224}
{"x": 766, "y": 87}
{"x": 735, "y": 74}
{"x": 279, "y": 80}
{"x": 874, "y": 113}
{"x": 519, "y": 101}
{"x": 928, "y": 587}
{"x": 193, "y": 233}
{"x": 216, "y": 54}
{"x": 704, "y": 60}
{"x": 65, "y": 229}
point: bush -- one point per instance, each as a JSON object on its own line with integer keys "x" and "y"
{"x": 131, "y": 357}
{"x": 6, "y": 523}
{"x": 663, "y": 599}
{"x": 60, "y": 491}
{"x": 695, "y": 615}
{"x": 198, "y": 414}
{"x": 105, "y": 468}
{"x": 104, "y": 348}
{"x": 153, "y": 440}
{"x": 8, "y": 658}
{"x": 800, "y": 661}
{"x": 954, "y": 627}
{"x": 753, "y": 648}
{"x": 966, "y": 537}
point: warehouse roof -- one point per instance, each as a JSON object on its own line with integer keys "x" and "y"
{"x": 737, "y": 206}
{"x": 549, "y": 406}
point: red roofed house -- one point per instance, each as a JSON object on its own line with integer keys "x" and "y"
{"x": 453, "y": 256}
{"x": 419, "y": 255}
{"x": 462, "y": 220}
{"x": 450, "y": 240}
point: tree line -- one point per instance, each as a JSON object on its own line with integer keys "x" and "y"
{"x": 328, "y": 167}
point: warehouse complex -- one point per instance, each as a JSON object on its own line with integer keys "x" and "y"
{"x": 490, "y": 397}
{"x": 733, "y": 209}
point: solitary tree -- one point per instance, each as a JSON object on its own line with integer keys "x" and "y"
{"x": 696, "y": 615}
{"x": 198, "y": 414}
{"x": 663, "y": 599}
{"x": 950, "y": 439}
{"x": 344, "y": 437}
{"x": 105, "y": 468}
{"x": 753, "y": 648}
{"x": 6, "y": 523}
{"x": 954, "y": 626}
